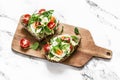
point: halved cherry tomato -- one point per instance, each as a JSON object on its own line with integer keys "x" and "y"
{"x": 51, "y": 25}
{"x": 67, "y": 39}
{"x": 26, "y": 18}
{"x": 24, "y": 43}
{"x": 41, "y": 11}
{"x": 71, "y": 47}
{"x": 62, "y": 37}
{"x": 52, "y": 19}
{"x": 59, "y": 52}
{"x": 46, "y": 47}
{"x": 36, "y": 24}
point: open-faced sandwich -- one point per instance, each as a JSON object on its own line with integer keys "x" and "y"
{"x": 41, "y": 24}
{"x": 61, "y": 47}
{"x": 44, "y": 24}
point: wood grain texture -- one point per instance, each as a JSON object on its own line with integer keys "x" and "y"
{"x": 86, "y": 50}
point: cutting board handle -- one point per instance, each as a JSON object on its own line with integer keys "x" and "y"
{"x": 98, "y": 52}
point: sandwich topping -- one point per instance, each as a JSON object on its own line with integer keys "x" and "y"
{"x": 61, "y": 46}
{"x": 41, "y": 24}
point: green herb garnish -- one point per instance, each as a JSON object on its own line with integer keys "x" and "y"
{"x": 62, "y": 30}
{"x": 58, "y": 40}
{"x": 48, "y": 13}
{"x": 35, "y": 46}
{"x": 47, "y": 30}
{"x": 51, "y": 55}
{"x": 43, "y": 42}
{"x": 65, "y": 46}
{"x": 74, "y": 38}
{"x": 33, "y": 19}
{"x": 76, "y": 31}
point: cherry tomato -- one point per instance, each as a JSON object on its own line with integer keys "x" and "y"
{"x": 51, "y": 25}
{"x": 52, "y": 19}
{"x": 67, "y": 39}
{"x": 59, "y": 52}
{"x": 36, "y": 24}
{"x": 46, "y": 47}
{"x": 41, "y": 11}
{"x": 62, "y": 37}
{"x": 71, "y": 47}
{"x": 26, "y": 18}
{"x": 24, "y": 43}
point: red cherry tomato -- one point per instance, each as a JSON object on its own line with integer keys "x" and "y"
{"x": 67, "y": 39}
{"x": 46, "y": 47}
{"x": 26, "y": 18}
{"x": 41, "y": 11}
{"x": 37, "y": 24}
{"x": 24, "y": 43}
{"x": 51, "y": 25}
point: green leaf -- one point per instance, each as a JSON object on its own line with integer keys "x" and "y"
{"x": 76, "y": 31}
{"x": 62, "y": 30}
{"x": 65, "y": 46}
{"x": 43, "y": 42}
{"x": 34, "y": 46}
{"x": 58, "y": 23}
{"x": 48, "y": 13}
{"x": 55, "y": 48}
{"x": 39, "y": 19}
{"x": 33, "y": 19}
{"x": 74, "y": 38}
{"x": 51, "y": 55}
{"x": 47, "y": 30}
{"x": 58, "y": 40}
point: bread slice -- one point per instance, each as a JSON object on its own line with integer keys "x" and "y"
{"x": 39, "y": 25}
{"x": 62, "y": 46}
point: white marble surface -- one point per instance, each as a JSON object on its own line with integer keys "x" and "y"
{"x": 100, "y": 17}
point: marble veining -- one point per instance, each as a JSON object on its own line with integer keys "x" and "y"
{"x": 90, "y": 72}
{"x": 15, "y": 66}
{"x": 3, "y": 76}
{"x": 8, "y": 32}
{"x": 87, "y": 76}
{"x": 6, "y": 16}
{"x": 105, "y": 16}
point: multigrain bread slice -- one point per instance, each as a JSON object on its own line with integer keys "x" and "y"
{"x": 41, "y": 25}
{"x": 62, "y": 46}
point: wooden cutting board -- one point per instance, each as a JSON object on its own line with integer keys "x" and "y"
{"x": 86, "y": 50}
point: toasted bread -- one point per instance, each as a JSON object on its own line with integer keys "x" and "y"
{"x": 62, "y": 47}
{"x": 41, "y": 25}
